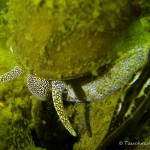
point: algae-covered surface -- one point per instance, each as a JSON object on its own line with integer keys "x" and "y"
{"x": 29, "y": 124}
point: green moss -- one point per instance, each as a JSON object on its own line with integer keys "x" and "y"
{"x": 15, "y": 120}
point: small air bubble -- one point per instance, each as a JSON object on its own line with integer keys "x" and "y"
{"x": 11, "y": 49}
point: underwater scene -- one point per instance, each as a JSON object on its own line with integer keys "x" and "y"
{"x": 74, "y": 75}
